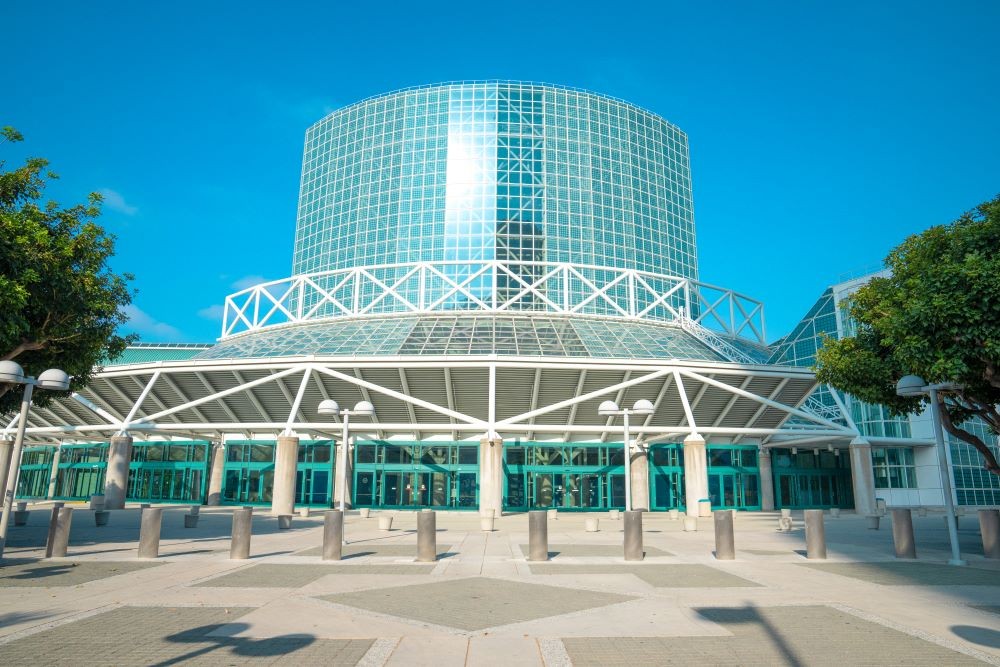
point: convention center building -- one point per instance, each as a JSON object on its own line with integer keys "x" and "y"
{"x": 497, "y": 284}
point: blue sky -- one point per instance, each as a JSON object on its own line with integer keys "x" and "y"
{"x": 822, "y": 133}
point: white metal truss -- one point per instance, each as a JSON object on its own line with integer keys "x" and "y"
{"x": 460, "y": 398}
{"x": 494, "y": 286}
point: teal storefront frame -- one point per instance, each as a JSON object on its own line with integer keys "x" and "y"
{"x": 416, "y": 475}
{"x": 81, "y": 471}
{"x": 733, "y": 477}
{"x": 169, "y": 472}
{"x": 579, "y": 476}
{"x": 36, "y": 471}
{"x": 811, "y": 480}
{"x": 248, "y": 472}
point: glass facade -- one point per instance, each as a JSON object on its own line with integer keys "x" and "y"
{"x": 510, "y": 171}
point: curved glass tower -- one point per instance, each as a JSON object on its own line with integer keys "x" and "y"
{"x": 506, "y": 171}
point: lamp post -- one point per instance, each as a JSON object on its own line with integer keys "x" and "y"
{"x": 362, "y": 409}
{"x": 12, "y": 373}
{"x": 611, "y": 409}
{"x": 914, "y": 385}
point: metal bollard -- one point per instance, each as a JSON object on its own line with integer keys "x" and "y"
{"x": 53, "y": 521}
{"x": 989, "y": 528}
{"x": 633, "y": 536}
{"x": 902, "y": 534}
{"x": 149, "y": 532}
{"x": 427, "y": 536}
{"x": 725, "y": 544}
{"x": 239, "y": 548}
{"x": 60, "y": 534}
{"x": 815, "y": 535}
{"x": 538, "y": 535}
{"x": 333, "y": 535}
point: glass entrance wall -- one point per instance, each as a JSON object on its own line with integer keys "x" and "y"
{"x": 36, "y": 469}
{"x": 396, "y": 474}
{"x": 314, "y": 473}
{"x": 248, "y": 473}
{"x": 733, "y": 477}
{"x": 666, "y": 471}
{"x": 569, "y": 476}
{"x": 810, "y": 480}
{"x": 81, "y": 471}
{"x": 165, "y": 472}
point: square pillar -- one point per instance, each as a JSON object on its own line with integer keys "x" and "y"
{"x": 491, "y": 475}
{"x": 54, "y": 473}
{"x": 343, "y": 460}
{"x": 116, "y": 475}
{"x": 216, "y": 475}
{"x": 766, "y": 480}
{"x": 286, "y": 461}
{"x": 862, "y": 477}
{"x": 6, "y": 452}
{"x": 639, "y": 467}
{"x": 695, "y": 473}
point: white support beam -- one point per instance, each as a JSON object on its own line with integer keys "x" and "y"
{"x": 609, "y": 422}
{"x": 222, "y": 403}
{"x": 533, "y": 405}
{"x": 98, "y": 406}
{"x": 732, "y": 401}
{"x": 139, "y": 401}
{"x": 682, "y": 392}
{"x": 667, "y": 383}
{"x": 368, "y": 397}
{"x": 405, "y": 384}
{"x": 572, "y": 411}
{"x": 252, "y": 397}
{"x": 449, "y": 394}
{"x": 760, "y": 410}
{"x": 294, "y": 412}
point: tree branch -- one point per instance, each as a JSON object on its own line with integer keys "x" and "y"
{"x": 25, "y": 346}
{"x": 989, "y": 459}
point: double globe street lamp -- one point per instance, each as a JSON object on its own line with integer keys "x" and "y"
{"x": 12, "y": 373}
{"x": 611, "y": 409}
{"x": 362, "y": 409}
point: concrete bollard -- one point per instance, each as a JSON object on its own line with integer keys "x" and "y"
{"x": 614, "y": 515}
{"x": 333, "y": 535}
{"x": 591, "y": 525}
{"x": 284, "y": 521}
{"x": 149, "y": 532}
{"x": 554, "y": 514}
{"x": 902, "y": 534}
{"x": 239, "y": 548}
{"x": 489, "y": 513}
{"x": 725, "y": 544}
{"x": 60, "y": 535}
{"x": 145, "y": 506}
{"x": 191, "y": 520}
{"x": 96, "y": 503}
{"x": 704, "y": 508}
{"x": 690, "y": 524}
{"x": 50, "y": 537}
{"x": 365, "y": 512}
{"x": 21, "y": 517}
{"x": 304, "y": 512}
{"x": 195, "y": 510}
{"x": 815, "y": 535}
{"x": 101, "y": 517}
{"x": 427, "y": 536}
{"x": 538, "y": 535}
{"x": 385, "y": 523}
{"x": 633, "y": 536}
{"x": 22, "y": 506}
{"x": 989, "y": 528}
{"x": 674, "y": 514}
{"x": 835, "y": 512}
{"x": 872, "y": 520}
{"x": 921, "y": 511}
{"x": 486, "y": 524}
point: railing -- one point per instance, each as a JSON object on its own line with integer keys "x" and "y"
{"x": 491, "y": 286}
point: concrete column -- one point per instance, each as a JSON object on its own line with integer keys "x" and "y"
{"x": 695, "y": 473}
{"x": 216, "y": 476}
{"x": 116, "y": 476}
{"x": 54, "y": 473}
{"x": 343, "y": 460}
{"x": 766, "y": 481}
{"x": 640, "y": 479}
{"x": 6, "y": 452}
{"x": 286, "y": 460}
{"x": 863, "y": 478}
{"x": 491, "y": 475}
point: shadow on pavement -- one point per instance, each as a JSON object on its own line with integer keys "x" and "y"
{"x": 241, "y": 646}
{"x": 977, "y": 635}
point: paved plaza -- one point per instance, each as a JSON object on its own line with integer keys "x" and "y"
{"x": 484, "y": 603}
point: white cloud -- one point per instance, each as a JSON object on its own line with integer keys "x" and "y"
{"x": 213, "y": 312}
{"x": 142, "y": 323}
{"x": 248, "y": 281}
{"x": 116, "y": 202}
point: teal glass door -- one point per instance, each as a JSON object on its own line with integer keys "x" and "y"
{"x": 396, "y": 474}
{"x": 248, "y": 474}
{"x": 733, "y": 477}
{"x": 811, "y": 480}
{"x": 666, "y": 471}
{"x": 577, "y": 476}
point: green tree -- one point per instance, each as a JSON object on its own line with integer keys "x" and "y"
{"x": 936, "y": 315}
{"x": 60, "y": 304}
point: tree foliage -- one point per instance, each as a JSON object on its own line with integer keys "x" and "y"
{"x": 936, "y": 315}
{"x": 60, "y": 304}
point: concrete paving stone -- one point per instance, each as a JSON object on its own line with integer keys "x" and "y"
{"x": 659, "y": 576}
{"x": 587, "y": 550}
{"x": 988, "y": 608}
{"x": 896, "y": 573}
{"x": 476, "y": 603}
{"x": 808, "y": 635}
{"x": 45, "y": 573}
{"x": 170, "y": 635}
{"x": 379, "y": 551}
{"x": 296, "y": 576}
{"x": 766, "y": 552}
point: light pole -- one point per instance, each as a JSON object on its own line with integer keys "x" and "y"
{"x": 611, "y": 409}
{"x": 12, "y": 373}
{"x": 362, "y": 409}
{"x": 914, "y": 385}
